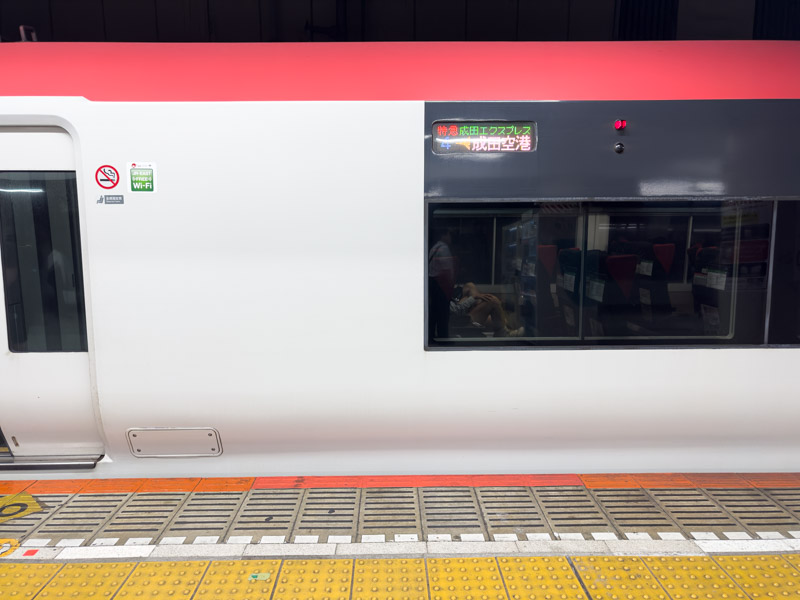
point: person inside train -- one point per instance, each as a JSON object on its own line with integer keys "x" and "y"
{"x": 441, "y": 281}
{"x": 484, "y": 310}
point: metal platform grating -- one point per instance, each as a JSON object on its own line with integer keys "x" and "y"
{"x": 143, "y": 515}
{"x": 634, "y": 511}
{"x": 21, "y": 527}
{"x": 694, "y": 512}
{"x": 511, "y": 510}
{"x": 389, "y": 511}
{"x": 324, "y": 511}
{"x": 788, "y": 498}
{"x": 204, "y": 515}
{"x": 572, "y": 510}
{"x": 267, "y": 513}
{"x": 80, "y": 518}
{"x": 755, "y": 510}
{"x": 450, "y": 510}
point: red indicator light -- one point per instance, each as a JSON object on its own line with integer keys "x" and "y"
{"x": 620, "y": 124}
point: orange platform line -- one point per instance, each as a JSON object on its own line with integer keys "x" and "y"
{"x": 772, "y": 480}
{"x": 112, "y": 486}
{"x": 415, "y": 481}
{"x": 225, "y": 484}
{"x": 58, "y": 486}
{"x": 609, "y": 481}
{"x": 662, "y": 480}
{"x": 717, "y": 480}
{"x": 14, "y": 487}
{"x": 177, "y": 484}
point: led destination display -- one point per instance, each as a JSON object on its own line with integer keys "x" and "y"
{"x": 481, "y": 137}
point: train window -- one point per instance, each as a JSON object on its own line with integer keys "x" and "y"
{"x": 590, "y": 273}
{"x": 41, "y": 260}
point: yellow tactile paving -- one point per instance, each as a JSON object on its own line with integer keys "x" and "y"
{"x": 23, "y": 581}
{"x": 763, "y": 576}
{"x": 794, "y": 559}
{"x": 541, "y": 578}
{"x": 465, "y": 579}
{"x": 693, "y": 578}
{"x": 314, "y": 580}
{"x": 156, "y": 580}
{"x": 390, "y": 579}
{"x": 239, "y": 580}
{"x": 618, "y": 578}
{"x": 87, "y": 580}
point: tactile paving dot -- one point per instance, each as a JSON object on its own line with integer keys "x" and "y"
{"x": 233, "y": 579}
{"x": 154, "y": 580}
{"x": 544, "y": 578}
{"x": 617, "y": 578}
{"x": 693, "y": 578}
{"x": 314, "y": 580}
{"x": 465, "y": 579}
{"x": 87, "y": 580}
{"x": 763, "y": 576}
{"x": 391, "y": 579}
{"x": 23, "y": 581}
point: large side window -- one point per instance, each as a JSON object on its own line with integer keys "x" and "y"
{"x": 41, "y": 261}
{"x": 680, "y": 272}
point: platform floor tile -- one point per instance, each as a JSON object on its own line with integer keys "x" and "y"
{"x": 794, "y": 559}
{"x": 391, "y": 579}
{"x": 540, "y": 578}
{"x": 157, "y": 580}
{"x": 25, "y": 580}
{"x": 615, "y": 577}
{"x": 88, "y": 580}
{"x": 239, "y": 580}
{"x": 465, "y": 579}
{"x": 314, "y": 580}
{"x": 763, "y": 577}
{"x": 693, "y": 578}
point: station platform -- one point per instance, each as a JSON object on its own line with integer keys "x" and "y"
{"x": 407, "y": 516}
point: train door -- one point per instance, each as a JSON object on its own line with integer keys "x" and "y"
{"x": 46, "y": 412}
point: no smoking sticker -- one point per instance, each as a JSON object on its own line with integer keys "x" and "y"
{"x": 107, "y": 177}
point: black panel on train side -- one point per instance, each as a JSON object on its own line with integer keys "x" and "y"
{"x": 672, "y": 148}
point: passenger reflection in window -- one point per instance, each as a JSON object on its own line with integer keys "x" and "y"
{"x": 441, "y": 281}
{"x": 484, "y": 310}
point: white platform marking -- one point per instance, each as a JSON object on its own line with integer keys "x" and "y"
{"x": 538, "y": 537}
{"x": 603, "y": 536}
{"x": 306, "y": 539}
{"x": 138, "y": 541}
{"x": 638, "y": 536}
{"x": 360, "y": 549}
{"x": 199, "y": 551}
{"x": 737, "y": 535}
{"x": 340, "y": 539}
{"x": 256, "y": 550}
{"x": 239, "y": 539}
{"x": 704, "y": 535}
{"x": 440, "y": 537}
{"x": 473, "y": 537}
{"x": 105, "y": 542}
{"x": 406, "y": 537}
{"x": 795, "y": 534}
{"x": 89, "y": 552}
{"x": 70, "y": 542}
{"x": 770, "y": 535}
{"x": 505, "y": 537}
{"x": 171, "y": 541}
{"x": 272, "y": 539}
{"x": 373, "y": 539}
{"x": 574, "y": 537}
{"x": 206, "y": 539}
{"x": 744, "y": 546}
{"x": 35, "y": 543}
{"x": 671, "y": 535}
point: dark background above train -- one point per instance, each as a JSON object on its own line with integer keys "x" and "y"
{"x": 398, "y": 20}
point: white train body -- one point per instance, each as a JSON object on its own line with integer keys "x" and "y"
{"x": 271, "y": 291}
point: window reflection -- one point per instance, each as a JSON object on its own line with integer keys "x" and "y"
{"x": 593, "y": 273}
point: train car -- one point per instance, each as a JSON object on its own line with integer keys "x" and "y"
{"x": 399, "y": 258}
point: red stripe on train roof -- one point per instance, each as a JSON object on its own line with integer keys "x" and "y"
{"x": 404, "y": 71}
